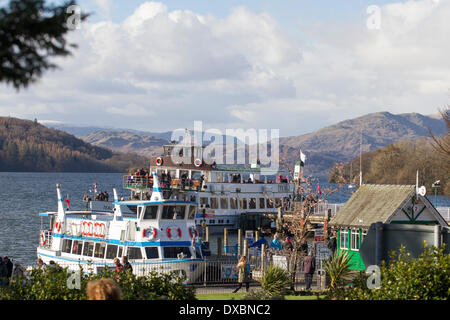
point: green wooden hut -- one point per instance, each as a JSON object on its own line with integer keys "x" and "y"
{"x": 379, "y": 203}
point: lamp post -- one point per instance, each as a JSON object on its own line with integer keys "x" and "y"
{"x": 436, "y": 185}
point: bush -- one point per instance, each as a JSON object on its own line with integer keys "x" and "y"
{"x": 51, "y": 284}
{"x": 338, "y": 269}
{"x": 275, "y": 281}
{"x": 261, "y": 295}
{"x": 405, "y": 278}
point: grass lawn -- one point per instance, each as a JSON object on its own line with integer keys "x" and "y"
{"x": 240, "y": 296}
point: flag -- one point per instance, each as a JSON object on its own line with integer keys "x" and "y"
{"x": 95, "y": 187}
{"x": 318, "y": 189}
{"x": 302, "y": 159}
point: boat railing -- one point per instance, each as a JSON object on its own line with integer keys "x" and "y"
{"x": 46, "y": 239}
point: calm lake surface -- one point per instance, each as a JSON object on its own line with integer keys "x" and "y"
{"x": 23, "y": 195}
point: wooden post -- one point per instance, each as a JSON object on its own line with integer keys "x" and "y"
{"x": 225, "y": 240}
{"x": 246, "y": 249}
{"x": 207, "y": 234}
{"x": 219, "y": 247}
{"x": 239, "y": 242}
{"x": 256, "y": 235}
{"x": 263, "y": 250}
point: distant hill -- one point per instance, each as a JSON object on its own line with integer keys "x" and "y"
{"x": 28, "y": 146}
{"x": 341, "y": 142}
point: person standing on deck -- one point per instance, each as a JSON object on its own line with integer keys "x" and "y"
{"x": 126, "y": 265}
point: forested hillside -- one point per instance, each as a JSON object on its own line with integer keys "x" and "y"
{"x": 28, "y": 146}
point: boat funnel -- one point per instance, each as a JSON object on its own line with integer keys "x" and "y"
{"x": 157, "y": 194}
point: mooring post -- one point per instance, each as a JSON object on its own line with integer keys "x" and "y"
{"x": 256, "y": 235}
{"x": 239, "y": 242}
{"x": 437, "y": 236}
{"x": 225, "y": 241}
{"x": 207, "y": 234}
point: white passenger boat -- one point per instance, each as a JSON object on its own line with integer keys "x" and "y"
{"x": 159, "y": 236}
{"x": 227, "y": 197}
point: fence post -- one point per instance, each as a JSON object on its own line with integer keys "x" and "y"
{"x": 204, "y": 273}
{"x": 256, "y": 235}
{"x": 263, "y": 250}
{"x": 207, "y": 234}
{"x": 225, "y": 240}
{"x": 246, "y": 249}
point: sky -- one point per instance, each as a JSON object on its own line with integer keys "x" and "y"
{"x": 292, "y": 65}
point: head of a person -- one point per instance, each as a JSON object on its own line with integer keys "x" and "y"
{"x": 40, "y": 262}
{"x": 5, "y": 258}
{"x": 103, "y": 289}
{"x": 243, "y": 259}
{"x": 288, "y": 239}
{"x": 116, "y": 261}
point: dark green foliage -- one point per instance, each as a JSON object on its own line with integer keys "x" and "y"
{"x": 337, "y": 268}
{"x": 29, "y": 147}
{"x": 405, "y": 278}
{"x": 51, "y": 284}
{"x": 31, "y": 32}
{"x": 275, "y": 281}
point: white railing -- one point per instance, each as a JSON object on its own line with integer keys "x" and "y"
{"x": 322, "y": 207}
{"x": 445, "y": 212}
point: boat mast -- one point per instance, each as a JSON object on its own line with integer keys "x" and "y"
{"x": 360, "y": 161}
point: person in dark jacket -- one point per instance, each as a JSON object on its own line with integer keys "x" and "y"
{"x": 9, "y": 265}
{"x": 3, "y": 273}
{"x": 126, "y": 265}
{"x": 309, "y": 266}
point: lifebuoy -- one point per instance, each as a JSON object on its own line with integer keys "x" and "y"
{"x": 159, "y": 161}
{"x": 89, "y": 227}
{"x": 153, "y": 234}
{"x": 169, "y": 233}
{"x": 197, "y": 162}
{"x": 101, "y": 232}
{"x": 43, "y": 239}
{"x": 84, "y": 228}
{"x": 58, "y": 226}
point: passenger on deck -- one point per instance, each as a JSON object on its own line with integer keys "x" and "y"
{"x": 126, "y": 265}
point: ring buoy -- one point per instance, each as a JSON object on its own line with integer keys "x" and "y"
{"x": 101, "y": 230}
{"x": 197, "y": 162}
{"x": 44, "y": 241}
{"x": 169, "y": 233}
{"x": 145, "y": 233}
{"x": 84, "y": 228}
{"x": 89, "y": 227}
{"x": 58, "y": 226}
{"x": 159, "y": 161}
{"x": 95, "y": 229}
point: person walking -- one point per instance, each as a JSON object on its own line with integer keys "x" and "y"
{"x": 309, "y": 266}
{"x": 243, "y": 275}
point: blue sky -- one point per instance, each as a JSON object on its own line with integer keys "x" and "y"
{"x": 291, "y": 65}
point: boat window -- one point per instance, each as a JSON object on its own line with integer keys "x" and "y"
{"x": 277, "y": 202}
{"x": 150, "y": 212}
{"x": 223, "y": 203}
{"x": 191, "y": 214}
{"x": 262, "y": 203}
{"x": 204, "y": 201}
{"x": 269, "y": 203}
{"x": 77, "y": 247}
{"x": 120, "y": 252}
{"x": 173, "y": 212}
{"x": 66, "y": 245}
{"x": 175, "y": 252}
{"x": 152, "y": 252}
{"x": 214, "y": 203}
{"x": 233, "y": 203}
{"x": 99, "y": 251}
{"x": 243, "y": 203}
{"x": 111, "y": 251}
{"x": 88, "y": 249}
{"x": 134, "y": 253}
{"x": 252, "y": 203}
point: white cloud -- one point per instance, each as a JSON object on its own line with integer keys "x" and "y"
{"x": 173, "y": 67}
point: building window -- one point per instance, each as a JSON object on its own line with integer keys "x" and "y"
{"x": 204, "y": 201}
{"x": 214, "y": 203}
{"x": 269, "y": 204}
{"x": 343, "y": 239}
{"x": 354, "y": 240}
{"x": 277, "y": 202}
{"x": 223, "y": 203}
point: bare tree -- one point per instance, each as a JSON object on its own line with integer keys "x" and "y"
{"x": 442, "y": 144}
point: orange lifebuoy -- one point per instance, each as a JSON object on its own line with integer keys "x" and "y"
{"x": 193, "y": 231}
{"x": 58, "y": 226}
{"x": 169, "y": 233}
{"x": 153, "y": 235}
{"x": 84, "y": 228}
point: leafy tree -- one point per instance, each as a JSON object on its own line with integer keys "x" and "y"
{"x": 32, "y": 32}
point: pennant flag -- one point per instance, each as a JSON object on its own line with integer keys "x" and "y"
{"x": 95, "y": 187}
{"x": 302, "y": 159}
{"x": 318, "y": 189}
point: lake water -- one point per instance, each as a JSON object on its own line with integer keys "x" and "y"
{"x": 24, "y": 195}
